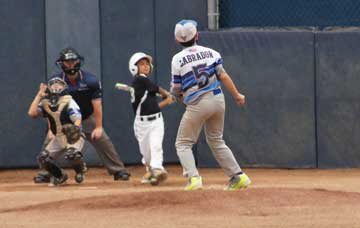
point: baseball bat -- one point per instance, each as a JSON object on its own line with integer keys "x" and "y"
{"x": 124, "y": 87}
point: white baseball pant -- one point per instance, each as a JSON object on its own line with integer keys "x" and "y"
{"x": 149, "y": 132}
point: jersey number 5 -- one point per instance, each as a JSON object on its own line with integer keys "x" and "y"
{"x": 201, "y": 75}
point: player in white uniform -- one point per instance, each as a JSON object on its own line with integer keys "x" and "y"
{"x": 197, "y": 73}
{"x": 149, "y": 123}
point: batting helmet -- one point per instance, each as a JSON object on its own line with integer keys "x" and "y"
{"x": 70, "y": 54}
{"x": 135, "y": 58}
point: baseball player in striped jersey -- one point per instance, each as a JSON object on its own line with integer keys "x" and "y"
{"x": 197, "y": 73}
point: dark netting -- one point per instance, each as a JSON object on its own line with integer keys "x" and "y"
{"x": 319, "y": 13}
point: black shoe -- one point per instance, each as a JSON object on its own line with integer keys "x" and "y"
{"x": 41, "y": 179}
{"x": 122, "y": 175}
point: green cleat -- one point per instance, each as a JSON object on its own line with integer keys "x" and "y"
{"x": 238, "y": 181}
{"x": 195, "y": 183}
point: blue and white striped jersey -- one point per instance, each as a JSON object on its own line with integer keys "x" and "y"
{"x": 195, "y": 72}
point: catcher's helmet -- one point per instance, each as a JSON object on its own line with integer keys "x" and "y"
{"x": 70, "y": 54}
{"x": 135, "y": 58}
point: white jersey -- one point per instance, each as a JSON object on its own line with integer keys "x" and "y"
{"x": 195, "y": 72}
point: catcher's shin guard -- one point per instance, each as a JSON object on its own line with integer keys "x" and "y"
{"x": 80, "y": 167}
{"x": 80, "y": 170}
{"x": 43, "y": 176}
{"x": 53, "y": 169}
{"x": 76, "y": 158}
{"x": 77, "y": 162}
{"x": 49, "y": 164}
{"x": 55, "y": 181}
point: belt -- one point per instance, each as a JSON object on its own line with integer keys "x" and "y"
{"x": 216, "y": 91}
{"x": 150, "y": 117}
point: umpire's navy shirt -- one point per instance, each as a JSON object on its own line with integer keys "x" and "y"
{"x": 85, "y": 89}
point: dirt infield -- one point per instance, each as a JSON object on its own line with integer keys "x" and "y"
{"x": 277, "y": 198}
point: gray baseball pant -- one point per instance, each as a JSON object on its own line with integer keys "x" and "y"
{"x": 208, "y": 112}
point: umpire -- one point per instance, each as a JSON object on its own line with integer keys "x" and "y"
{"x": 85, "y": 89}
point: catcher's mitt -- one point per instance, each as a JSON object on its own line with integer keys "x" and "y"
{"x": 72, "y": 133}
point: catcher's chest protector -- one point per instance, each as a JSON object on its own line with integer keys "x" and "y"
{"x": 62, "y": 103}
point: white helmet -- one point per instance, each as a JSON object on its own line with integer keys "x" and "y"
{"x": 135, "y": 58}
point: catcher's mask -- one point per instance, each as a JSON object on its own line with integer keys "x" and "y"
{"x": 56, "y": 88}
{"x": 135, "y": 58}
{"x": 70, "y": 54}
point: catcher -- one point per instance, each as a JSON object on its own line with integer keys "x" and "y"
{"x": 64, "y": 119}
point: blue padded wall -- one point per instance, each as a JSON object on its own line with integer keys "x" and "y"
{"x": 275, "y": 71}
{"x": 338, "y": 99}
{"x": 22, "y": 68}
